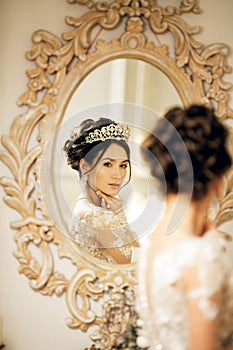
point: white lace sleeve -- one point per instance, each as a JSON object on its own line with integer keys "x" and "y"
{"x": 89, "y": 223}
{"x": 208, "y": 277}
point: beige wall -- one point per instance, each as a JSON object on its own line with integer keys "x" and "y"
{"x": 32, "y": 321}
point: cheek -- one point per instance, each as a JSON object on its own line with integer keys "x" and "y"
{"x": 123, "y": 172}
{"x": 95, "y": 177}
{"x": 101, "y": 175}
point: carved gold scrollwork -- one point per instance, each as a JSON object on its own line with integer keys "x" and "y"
{"x": 117, "y": 311}
{"x": 197, "y": 72}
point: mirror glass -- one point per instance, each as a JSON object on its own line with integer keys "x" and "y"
{"x": 125, "y": 90}
{"x": 124, "y": 80}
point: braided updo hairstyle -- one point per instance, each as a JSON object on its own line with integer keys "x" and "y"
{"x": 76, "y": 148}
{"x": 196, "y": 132}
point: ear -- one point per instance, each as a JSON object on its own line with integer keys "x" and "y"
{"x": 84, "y": 166}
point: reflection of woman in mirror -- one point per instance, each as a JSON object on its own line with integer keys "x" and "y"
{"x": 98, "y": 150}
{"x": 185, "y": 277}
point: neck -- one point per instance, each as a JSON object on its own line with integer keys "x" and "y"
{"x": 186, "y": 217}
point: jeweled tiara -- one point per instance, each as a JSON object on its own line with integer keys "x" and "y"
{"x": 112, "y": 131}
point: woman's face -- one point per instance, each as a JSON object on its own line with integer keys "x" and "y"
{"x": 109, "y": 173}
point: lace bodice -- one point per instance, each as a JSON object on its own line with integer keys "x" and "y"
{"x": 162, "y": 304}
{"x": 89, "y": 222}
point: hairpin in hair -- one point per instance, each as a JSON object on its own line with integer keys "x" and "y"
{"x": 112, "y": 131}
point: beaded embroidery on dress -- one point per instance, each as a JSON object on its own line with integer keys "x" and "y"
{"x": 164, "y": 312}
{"x": 88, "y": 220}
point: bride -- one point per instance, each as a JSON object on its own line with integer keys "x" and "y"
{"x": 185, "y": 291}
{"x": 99, "y": 152}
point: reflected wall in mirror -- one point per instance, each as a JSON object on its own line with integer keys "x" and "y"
{"x": 125, "y": 80}
{"x": 105, "y": 33}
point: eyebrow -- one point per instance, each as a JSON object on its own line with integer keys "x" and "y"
{"x": 113, "y": 160}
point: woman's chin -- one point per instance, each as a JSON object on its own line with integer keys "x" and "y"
{"x": 111, "y": 192}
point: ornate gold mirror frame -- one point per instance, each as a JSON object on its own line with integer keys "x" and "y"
{"x": 143, "y": 28}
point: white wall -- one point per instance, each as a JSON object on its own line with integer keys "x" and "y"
{"x": 32, "y": 321}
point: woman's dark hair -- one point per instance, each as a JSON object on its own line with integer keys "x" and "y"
{"x": 197, "y": 132}
{"x": 76, "y": 147}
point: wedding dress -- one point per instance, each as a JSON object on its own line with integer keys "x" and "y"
{"x": 88, "y": 222}
{"x": 162, "y": 305}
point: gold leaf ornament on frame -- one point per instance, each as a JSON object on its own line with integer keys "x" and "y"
{"x": 61, "y": 64}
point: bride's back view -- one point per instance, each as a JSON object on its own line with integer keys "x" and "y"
{"x": 185, "y": 291}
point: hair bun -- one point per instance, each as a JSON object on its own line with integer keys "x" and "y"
{"x": 76, "y": 147}
{"x": 203, "y": 136}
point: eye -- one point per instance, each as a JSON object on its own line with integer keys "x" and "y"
{"x": 107, "y": 164}
{"x": 124, "y": 165}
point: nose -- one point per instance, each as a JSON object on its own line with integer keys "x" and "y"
{"x": 116, "y": 174}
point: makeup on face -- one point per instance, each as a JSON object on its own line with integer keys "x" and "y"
{"x": 110, "y": 172}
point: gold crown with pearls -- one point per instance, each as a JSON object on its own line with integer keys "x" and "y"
{"x": 110, "y": 132}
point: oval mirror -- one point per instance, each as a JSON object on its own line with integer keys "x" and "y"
{"x": 126, "y": 90}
